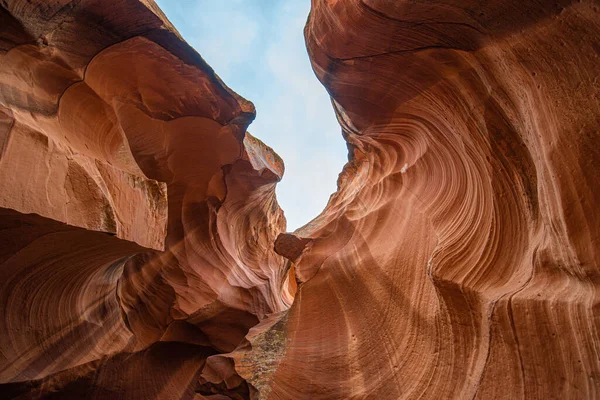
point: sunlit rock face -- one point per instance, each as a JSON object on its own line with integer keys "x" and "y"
{"x": 141, "y": 245}
{"x": 137, "y": 216}
{"x": 459, "y": 257}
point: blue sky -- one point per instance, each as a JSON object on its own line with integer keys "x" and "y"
{"x": 257, "y": 48}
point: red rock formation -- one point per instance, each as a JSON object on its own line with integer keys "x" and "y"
{"x": 138, "y": 217}
{"x": 458, "y": 258}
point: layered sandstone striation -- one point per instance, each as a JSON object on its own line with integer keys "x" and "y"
{"x": 142, "y": 249}
{"x": 137, "y": 215}
{"x": 459, "y": 257}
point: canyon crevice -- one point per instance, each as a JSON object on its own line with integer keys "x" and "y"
{"x": 143, "y": 253}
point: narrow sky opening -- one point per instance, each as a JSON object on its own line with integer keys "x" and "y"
{"x": 257, "y": 48}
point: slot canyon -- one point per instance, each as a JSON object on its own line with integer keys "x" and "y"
{"x": 143, "y": 254}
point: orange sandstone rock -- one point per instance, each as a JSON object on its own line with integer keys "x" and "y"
{"x": 138, "y": 216}
{"x": 142, "y": 241}
{"x": 459, "y": 257}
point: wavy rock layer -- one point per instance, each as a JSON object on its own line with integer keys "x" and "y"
{"x": 137, "y": 216}
{"x": 141, "y": 247}
{"x": 459, "y": 257}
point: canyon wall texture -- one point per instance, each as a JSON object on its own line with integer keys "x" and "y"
{"x": 460, "y": 256}
{"x": 143, "y": 253}
{"x": 138, "y": 217}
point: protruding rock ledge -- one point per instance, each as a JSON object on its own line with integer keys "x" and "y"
{"x": 290, "y": 246}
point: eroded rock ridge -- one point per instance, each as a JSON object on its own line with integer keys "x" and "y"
{"x": 144, "y": 254}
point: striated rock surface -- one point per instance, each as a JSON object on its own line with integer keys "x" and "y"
{"x": 142, "y": 249}
{"x": 137, "y": 216}
{"x": 459, "y": 257}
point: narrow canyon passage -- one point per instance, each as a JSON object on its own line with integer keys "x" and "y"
{"x": 262, "y": 56}
{"x": 143, "y": 253}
